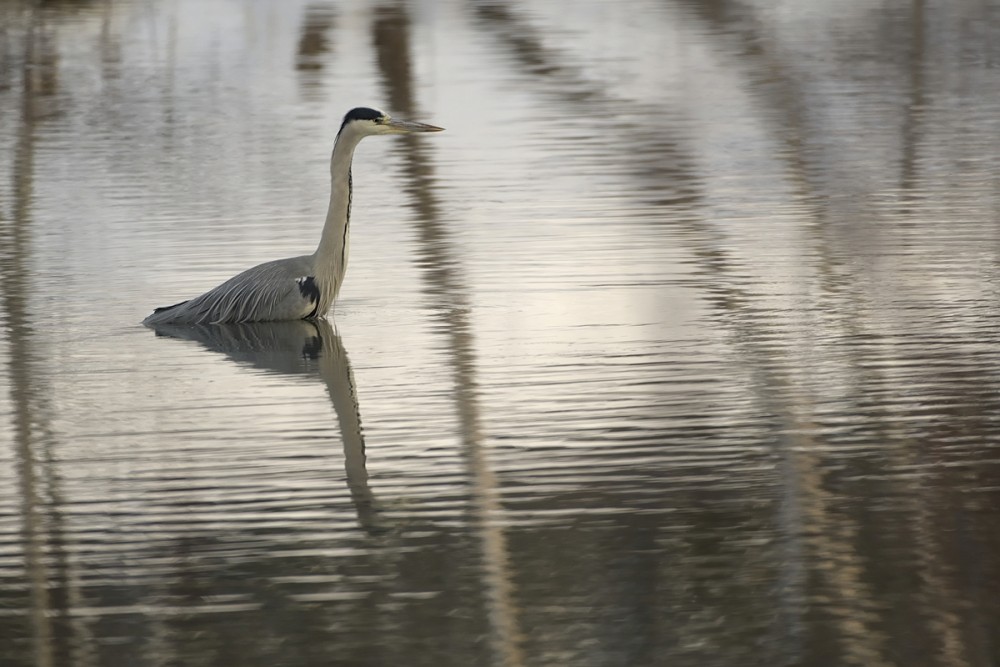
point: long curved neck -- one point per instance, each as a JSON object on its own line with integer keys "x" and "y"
{"x": 330, "y": 258}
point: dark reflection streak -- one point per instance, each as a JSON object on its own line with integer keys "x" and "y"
{"x": 168, "y": 92}
{"x": 805, "y": 508}
{"x": 813, "y": 532}
{"x": 300, "y": 348}
{"x": 654, "y": 155}
{"x": 535, "y": 59}
{"x": 391, "y": 38}
{"x": 914, "y": 111}
{"x": 848, "y": 573}
{"x": 735, "y": 308}
{"x": 801, "y": 482}
{"x": 7, "y": 67}
{"x": 807, "y": 502}
{"x": 831, "y": 539}
{"x": 109, "y": 46}
{"x": 938, "y": 592}
{"x": 314, "y": 47}
{"x": 60, "y": 637}
{"x": 25, "y": 395}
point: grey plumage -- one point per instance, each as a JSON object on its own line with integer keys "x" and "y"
{"x": 268, "y": 292}
{"x": 301, "y": 287}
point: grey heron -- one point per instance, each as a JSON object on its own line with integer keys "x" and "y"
{"x": 301, "y": 287}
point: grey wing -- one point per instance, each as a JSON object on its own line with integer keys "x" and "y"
{"x": 269, "y": 292}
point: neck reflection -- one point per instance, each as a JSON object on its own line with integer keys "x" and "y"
{"x": 300, "y": 347}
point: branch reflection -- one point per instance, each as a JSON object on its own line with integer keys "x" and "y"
{"x": 446, "y": 286}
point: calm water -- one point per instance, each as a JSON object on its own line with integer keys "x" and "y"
{"x": 679, "y": 347}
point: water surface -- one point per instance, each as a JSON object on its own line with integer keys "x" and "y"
{"x": 679, "y": 347}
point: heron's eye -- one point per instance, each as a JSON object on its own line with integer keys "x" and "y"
{"x": 380, "y": 120}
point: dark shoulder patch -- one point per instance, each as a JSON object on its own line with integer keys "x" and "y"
{"x": 310, "y": 292}
{"x": 308, "y": 288}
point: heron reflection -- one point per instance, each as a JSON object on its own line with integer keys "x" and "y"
{"x": 299, "y": 347}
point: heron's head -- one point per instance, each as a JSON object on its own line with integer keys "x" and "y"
{"x": 367, "y": 121}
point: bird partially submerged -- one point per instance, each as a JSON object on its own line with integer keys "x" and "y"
{"x": 301, "y": 287}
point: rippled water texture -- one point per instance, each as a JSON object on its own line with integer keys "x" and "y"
{"x": 678, "y": 347}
